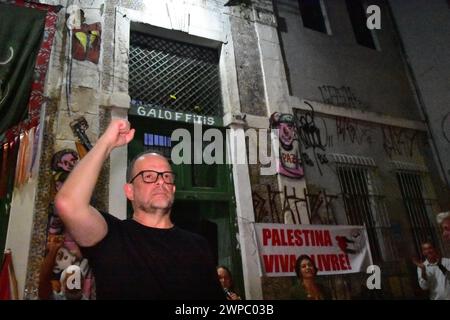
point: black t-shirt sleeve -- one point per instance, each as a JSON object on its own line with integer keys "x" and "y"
{"x": 93, "y": 251}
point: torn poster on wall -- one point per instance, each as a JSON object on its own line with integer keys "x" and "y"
{"x": 290, "y": 163}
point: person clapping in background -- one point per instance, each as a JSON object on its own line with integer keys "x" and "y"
{"x": 433, "y": 274}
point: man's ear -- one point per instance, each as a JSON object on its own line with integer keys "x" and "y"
{"x": 129, "y": 191}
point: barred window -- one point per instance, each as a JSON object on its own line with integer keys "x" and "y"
{"x": 357, "y": 13}
{"x": 178, "y": 76}
{"x": 417, "y": 206}
{"x": 313, "y": 15}
{"x": 364, "y": 205}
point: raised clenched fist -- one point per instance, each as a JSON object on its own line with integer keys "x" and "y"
{"x": 117, "y": 134}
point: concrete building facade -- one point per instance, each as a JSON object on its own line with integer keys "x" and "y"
{"x": 364, "y": 142}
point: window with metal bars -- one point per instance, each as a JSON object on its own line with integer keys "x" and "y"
{"x": 417, "y": 206}
{"x": 357, "y": 12}
{"x": 177, "y": 76}
{"x": 312, "y": 16}
{"x": 365, "y": 206}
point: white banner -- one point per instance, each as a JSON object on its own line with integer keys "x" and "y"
{"x": 334, "y": 249}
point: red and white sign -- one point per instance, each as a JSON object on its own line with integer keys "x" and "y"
{"x": 334, "y": 249}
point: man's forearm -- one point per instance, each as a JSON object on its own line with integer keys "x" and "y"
{"x": 85, "y": 224}
{"x": 80, "y": 184}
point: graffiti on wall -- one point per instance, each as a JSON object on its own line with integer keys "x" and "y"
{"x": 353, "y": 131}
{"x": 259, "y": 206}
{"x": 269, "y": 207}
{"x": 321, "y": 158}
{"x": 313, "y": 134}
{"x": 320, "y": 210}
{"x": 290, "y": 164}
{"x": 342, "y": 97}
{"x": 445, "y": 125}
{"x": 65, "y": 274}
{"x": 79, "y": 127}
{"x": 398, "y": 141}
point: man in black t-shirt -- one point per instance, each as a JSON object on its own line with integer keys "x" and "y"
{"x": 146, "y": 257}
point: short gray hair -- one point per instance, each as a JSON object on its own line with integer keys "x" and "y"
{"x": 442, "y": 216}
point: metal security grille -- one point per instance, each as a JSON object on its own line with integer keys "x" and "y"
{"x": 416, "y": 205}
{"x": 178, "y": 76}
{"x": 365, "y": 206}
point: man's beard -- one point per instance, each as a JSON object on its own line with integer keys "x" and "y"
{"x": 152, "y": 207}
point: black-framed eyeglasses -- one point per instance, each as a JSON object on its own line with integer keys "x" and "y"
{"x": 151, "y": 176}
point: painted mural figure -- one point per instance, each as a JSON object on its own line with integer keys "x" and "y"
{"x": 64, "y": 160}
{"x": 63, "y": 263}
{"x": 290, "y": 159}
{"x": 308, "y": 288}
{"x": 147, "y": 256}
{"x": 60, "y": 269}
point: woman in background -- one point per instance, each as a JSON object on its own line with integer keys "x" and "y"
{"x": 226, "y": 280}
{"x": 307, "y": 288}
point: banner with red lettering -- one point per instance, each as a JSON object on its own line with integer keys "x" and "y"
{"x": 334, "y": 249}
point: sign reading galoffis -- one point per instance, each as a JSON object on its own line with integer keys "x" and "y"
{"x": 146, "y": 110}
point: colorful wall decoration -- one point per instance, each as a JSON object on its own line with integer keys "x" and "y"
{"x": 65, "y": 274}
{"x": 290, "y": 163}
